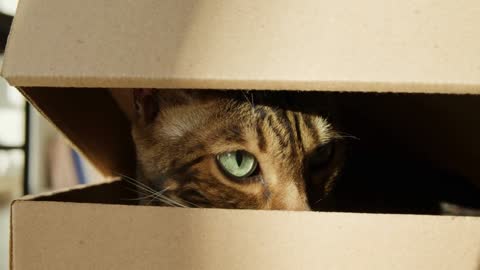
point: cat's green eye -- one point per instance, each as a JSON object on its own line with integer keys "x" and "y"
{"x": 237, "y": 164}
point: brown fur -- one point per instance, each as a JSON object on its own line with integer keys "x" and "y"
{"x": 178, "y": 134}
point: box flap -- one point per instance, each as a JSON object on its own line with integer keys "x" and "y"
{"x": 93, "y": 122}
{"x": 374, "y": 45}
{"x": 94, "y": 236}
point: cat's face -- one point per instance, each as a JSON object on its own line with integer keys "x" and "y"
{"x": 230, "y": 149}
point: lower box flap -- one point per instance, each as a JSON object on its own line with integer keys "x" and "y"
{"x": 59, "y": 235}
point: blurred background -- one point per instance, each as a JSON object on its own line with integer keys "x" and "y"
{"x": 29, "y": 146}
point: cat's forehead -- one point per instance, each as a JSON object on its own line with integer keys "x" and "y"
{"x": 233, "y": 120}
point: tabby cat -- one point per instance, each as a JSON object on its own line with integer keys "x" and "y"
{"x": 233, "y": 149}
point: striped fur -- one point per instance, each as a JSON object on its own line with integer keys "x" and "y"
{"x": 178, "y": 138}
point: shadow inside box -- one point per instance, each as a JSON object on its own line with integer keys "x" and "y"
{"x": 375, "y": 183}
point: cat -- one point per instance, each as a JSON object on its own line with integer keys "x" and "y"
{"x": 277, "y": 150}
{"x": 234, "y": 149}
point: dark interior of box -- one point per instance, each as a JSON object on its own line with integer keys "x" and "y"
{"x": 411, "y": 152}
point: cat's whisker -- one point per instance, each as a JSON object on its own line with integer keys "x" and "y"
{"x": 195, "y": 205}
{"x": 136, "y": 191}
{"x": 159, "y": 198}
{"x": 128, "y": 178}
{"x": 159, "y": 195}
{"x": 253, "y": 102}
{"x": 248, "y": 100}
{"x": 142, "y": 188}
{"x": 150, "y": 191}
{"x": 149, "y": 195}
{"x": 172, "y": 201}
{"x": 150, "y": 202}
{"x": 245, "y": 96}
{"x": 319, "y": 200}
{"x": 262, "y": 180}
{"x": 140, "y": 185}
{"x": 164, "y": 199}
{"x": 345, "y": 136}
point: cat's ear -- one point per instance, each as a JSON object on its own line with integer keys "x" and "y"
{"x": 146, "y": 103}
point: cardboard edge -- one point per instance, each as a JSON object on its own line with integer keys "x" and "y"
{"x": 436, "y": 87}
{"x": 64, "y": 190}
{"x": 255, "y": 211}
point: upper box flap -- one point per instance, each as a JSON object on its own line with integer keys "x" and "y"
{"x": 374, "y": 45}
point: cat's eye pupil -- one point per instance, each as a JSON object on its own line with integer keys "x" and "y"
{"x": 237, "y": 164}
{"x": 238, "y": 157}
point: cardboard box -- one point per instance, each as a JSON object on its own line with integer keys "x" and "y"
{"x": 63, "y": 54}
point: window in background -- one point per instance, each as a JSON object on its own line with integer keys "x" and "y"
{"x": 12, "y": 130}
{"x": 12, "y": 134}
{"x": 8, "y": 6}
{"x": 12, "y": 139}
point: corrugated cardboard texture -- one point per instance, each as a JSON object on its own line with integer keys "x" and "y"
{"x": 372, "y": 45}
{"x": 92, "y": 236}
